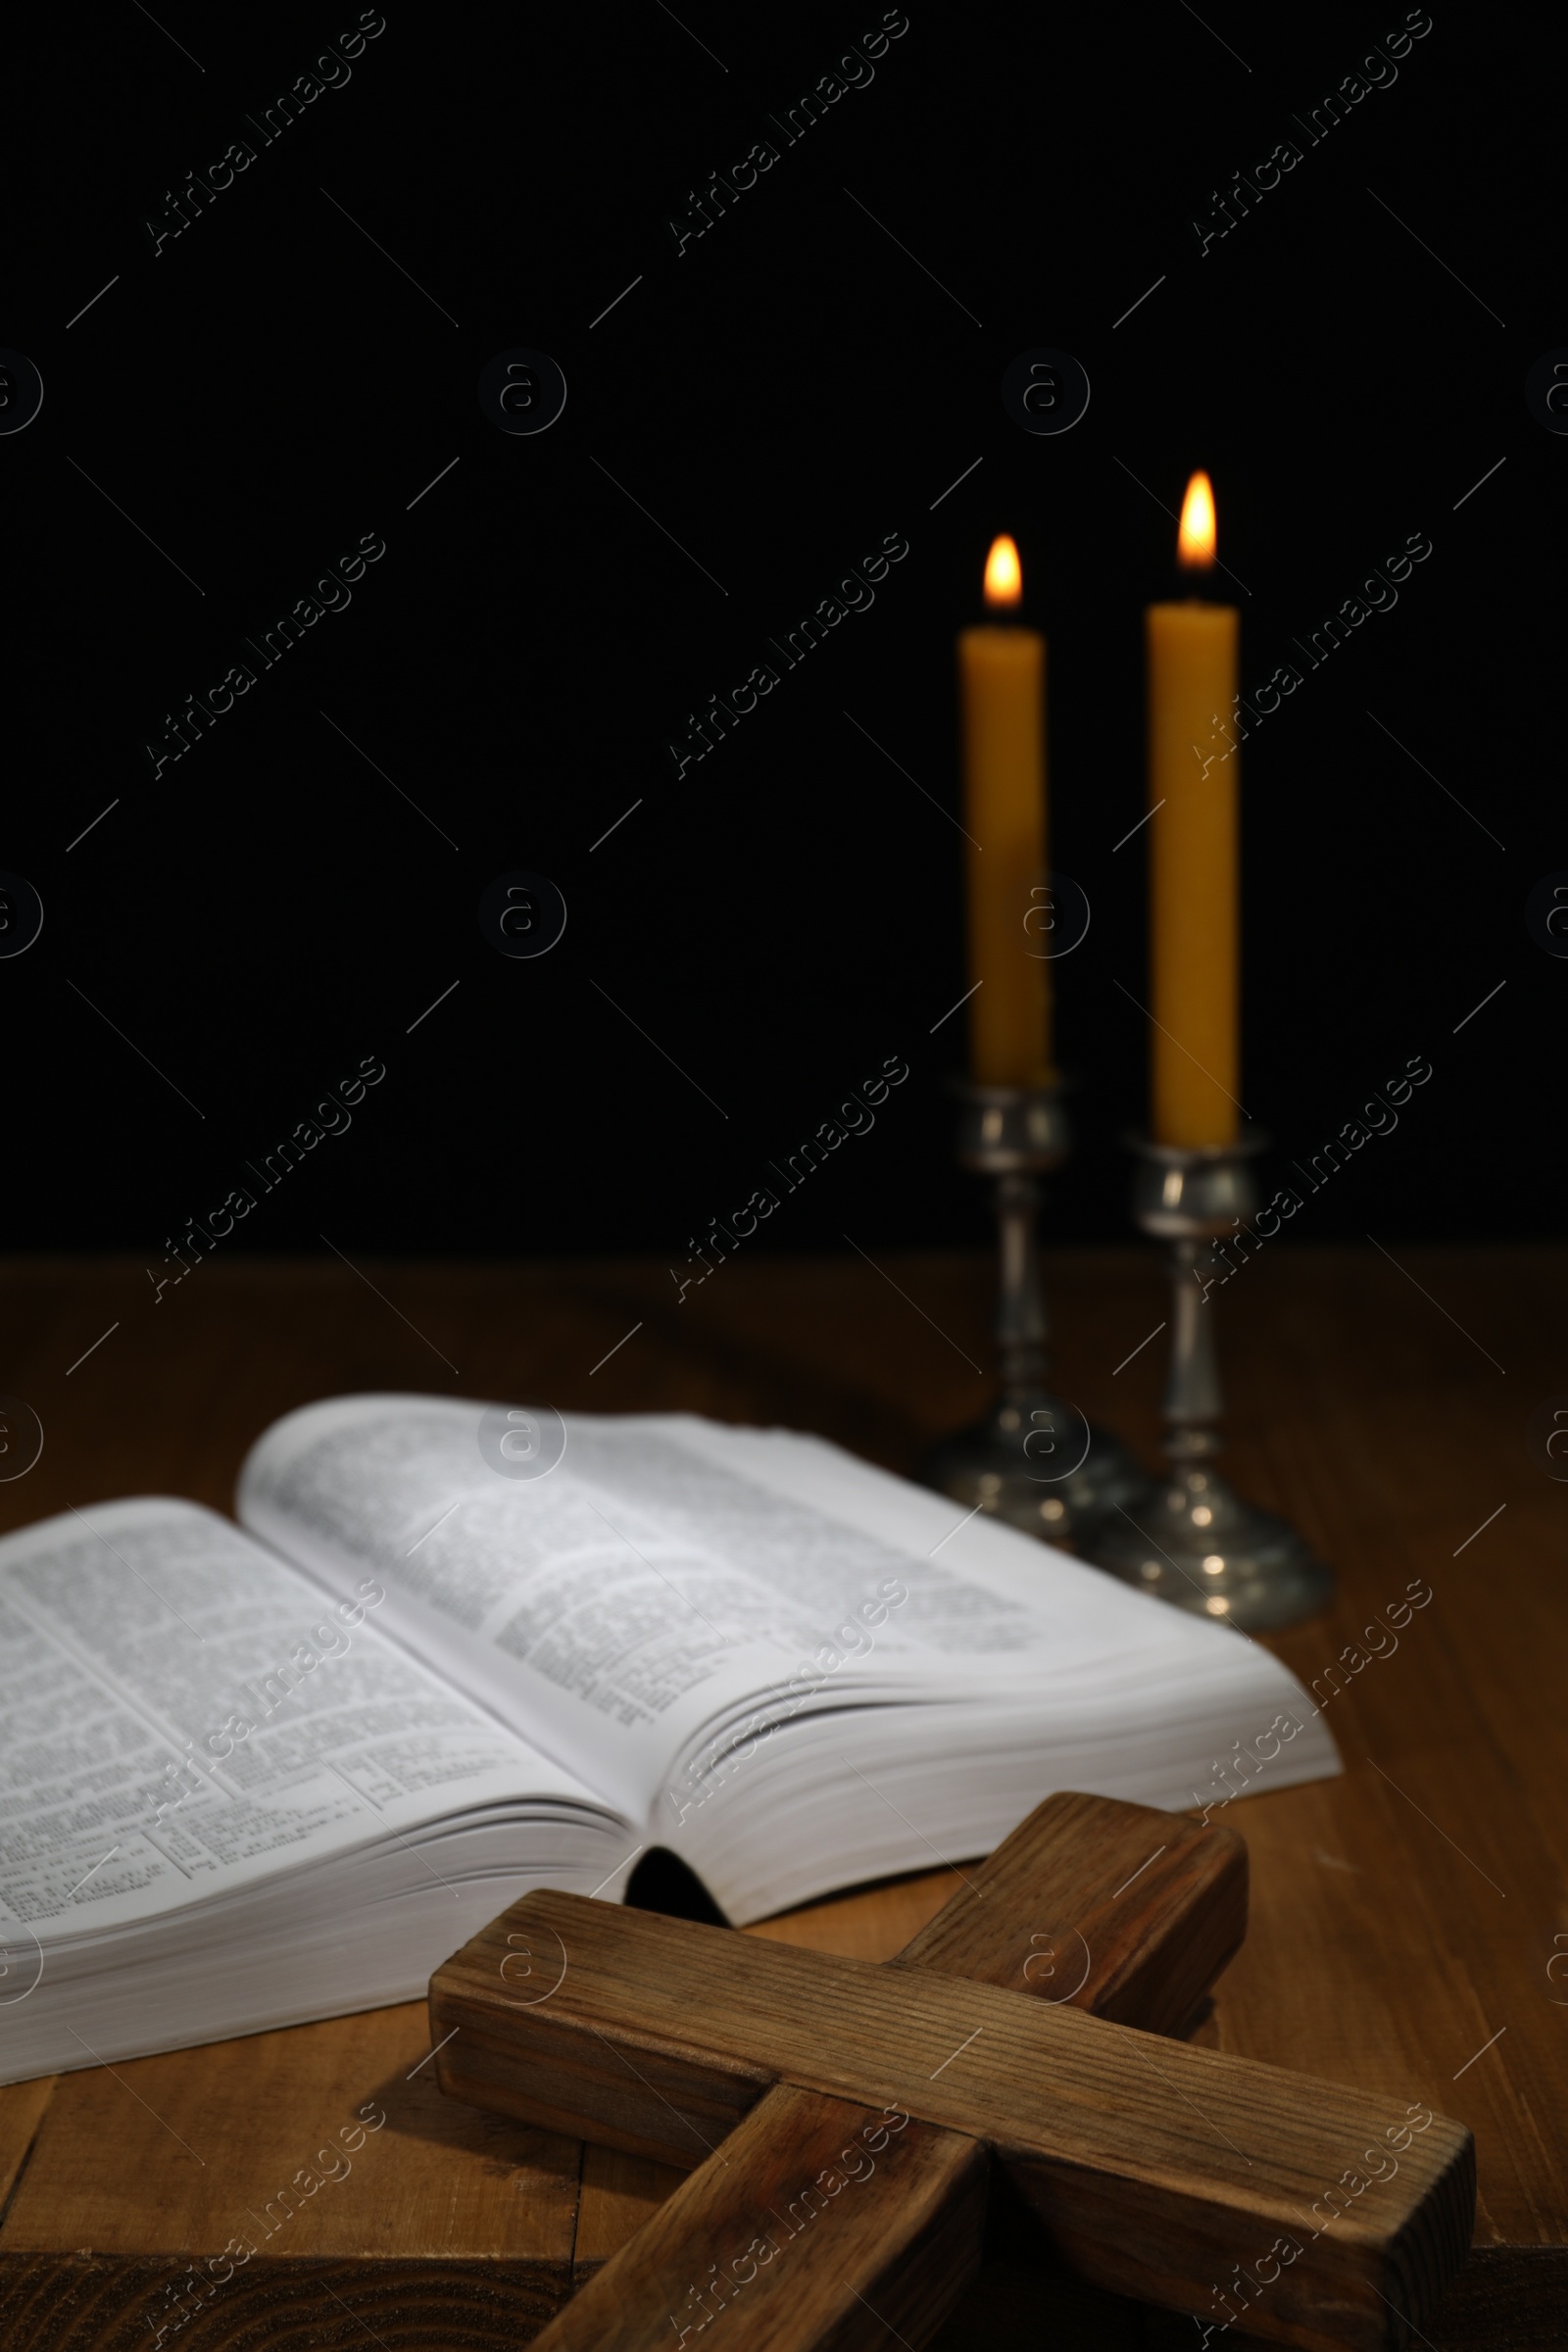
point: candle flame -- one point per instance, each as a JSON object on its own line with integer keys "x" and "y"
{"x": 1194, "y": 539}
{"x": 1004, "y": 573}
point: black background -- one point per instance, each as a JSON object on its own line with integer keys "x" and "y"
{"x": 791, "y": 388}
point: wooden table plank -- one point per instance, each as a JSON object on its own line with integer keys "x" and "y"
{"x": 1379, "y": 1954}
{"x": 22, "y": 2108}
{"x": 147, "y": 2154}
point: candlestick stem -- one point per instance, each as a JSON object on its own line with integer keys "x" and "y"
{"x": 1189, "y": 1538}
{"x": 1021, "y": 1327}
{"x": 1033, "y": 1459}
{"x": 1194, "y": 1399}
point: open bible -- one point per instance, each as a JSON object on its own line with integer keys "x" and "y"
{"x": 256, "y": 1774}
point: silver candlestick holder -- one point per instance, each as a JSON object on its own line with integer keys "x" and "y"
{"x": 1033, "y": 1459}
{"x": 1190, "y": 1539}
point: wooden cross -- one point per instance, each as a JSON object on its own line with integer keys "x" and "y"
{"x": 843, "y": 2118}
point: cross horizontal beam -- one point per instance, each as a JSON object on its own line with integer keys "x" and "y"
{"x": 1142, "y": 1912}
{"x": 1155, "y": 2166}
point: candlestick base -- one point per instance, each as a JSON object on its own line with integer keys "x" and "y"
{"x": 1034, "y": 1460}
{"x": 1189, "y": 1539}
{"x": 988, "y": 1467}
{"x": 1194, "y": 1542}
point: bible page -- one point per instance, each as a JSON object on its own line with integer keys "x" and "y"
{"x": 665, "y": 1575}
{"x": 182, "y": 1713}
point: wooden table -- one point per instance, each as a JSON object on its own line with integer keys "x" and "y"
{"x": 1404, "y": 1916}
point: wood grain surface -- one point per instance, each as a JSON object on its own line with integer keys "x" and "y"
{"x": 1156, "y": 2173}
{"x": 911, "y": 2240}
{"x": 1117, "y": 1910}
{"x": 1402, "y": 1915}
{"x": 820, "y": 2226}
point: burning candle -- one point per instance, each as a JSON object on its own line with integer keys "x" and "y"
{"x": 1194, "y": 910}
{"x": 1001, "y": 670}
